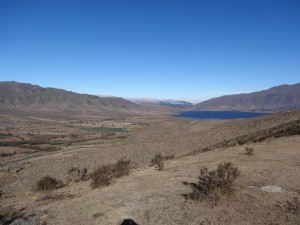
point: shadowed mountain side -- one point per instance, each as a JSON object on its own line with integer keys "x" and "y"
{"x": 27, "y": 96}
{"x": 283, "y": 97}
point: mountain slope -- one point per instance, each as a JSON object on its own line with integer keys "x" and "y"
{"x": 278, "y": 98}
{"x": 28, "y": 96}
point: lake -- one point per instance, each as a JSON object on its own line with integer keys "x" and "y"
{"x": 218, "y": 115}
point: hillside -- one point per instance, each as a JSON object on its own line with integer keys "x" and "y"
{"x": 283, "y": 97}
{"x": 265, "y": 193}
{"x": 22, "y": 96}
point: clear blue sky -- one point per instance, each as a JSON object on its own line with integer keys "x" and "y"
{"x": 187, "y": 49}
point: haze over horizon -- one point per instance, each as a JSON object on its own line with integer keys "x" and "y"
{"x": 185, "y": 50}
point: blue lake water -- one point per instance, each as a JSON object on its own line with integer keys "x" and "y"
{"x": 218, "y": 115}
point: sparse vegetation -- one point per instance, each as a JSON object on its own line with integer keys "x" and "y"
{"x": 121, "y": 168}
{"x": 76, "y": 174}
{"x": 249, "y": 150}
{"x": 104, "y": 129}
{"x": 6, "y": 154}
{"x": 169, "y": 157}
{"x": 282, "y": 130}
{"x": 212, "y": 184}
{"x": 47, "y": 183}
{"x": 146, "y": 185}
{"x": 2, "y": 136}
{"x": 103, "y": 175}
{"x": 55, "y": 197}
{"x": 158, "y": 161}
{"x": 293, "y": 206}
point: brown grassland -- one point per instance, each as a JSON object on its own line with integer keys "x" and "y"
{"x": 78, "y": 169}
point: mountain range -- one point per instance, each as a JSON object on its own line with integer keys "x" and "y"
{"x": 279, "y": 98}
{"x": 14, "y": 95}
{"x": 162, "y": 103}
{"x": 27, "y": 96}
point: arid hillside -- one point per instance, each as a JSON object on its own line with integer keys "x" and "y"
{"x": 105, "y": 170}
{"x": 22, "y": 96}
{"x": 284, "y": 97}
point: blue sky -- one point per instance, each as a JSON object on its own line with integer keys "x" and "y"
{"x": 169, "y": 49}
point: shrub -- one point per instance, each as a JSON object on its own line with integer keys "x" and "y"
{"x": 169, "y": 157}
{"x": 158, "y": 161}
{"x": 213, "y": 183}
{"x": 103, "y": 175}
{"x": 76, "y": 174}
{"x": 249, "y": 151}
{"x": 294, "y": 206}
{"x": 5, "y": 154}
{"x": 121, "y": 168}
{"x": 48, "y": 183}
{"x": 1, "y": 193}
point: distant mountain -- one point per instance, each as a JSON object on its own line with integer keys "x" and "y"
{"x": 163, "y": 103}
{"x": 173, "y": 103}
{"x": 27, "y": 96}
{"x": 283, "y": 97}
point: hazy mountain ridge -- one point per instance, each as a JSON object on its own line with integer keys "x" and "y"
{"x": 158, "y": 103}
{"x": 28, "y": 96}
{"x": 283, "y": 97}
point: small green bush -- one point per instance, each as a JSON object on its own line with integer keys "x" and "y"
{"x": 47, "y": 183}
{"x": 249, "y": 151}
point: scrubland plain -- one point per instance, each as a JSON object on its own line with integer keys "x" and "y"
{"x": 69, "y": 150}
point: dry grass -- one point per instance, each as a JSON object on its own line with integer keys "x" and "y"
{"x": 47, "y": 183}
{"x": 56, "y": 197}
{"x": 6, "y": 154}
{"x": 159, "y": 192}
